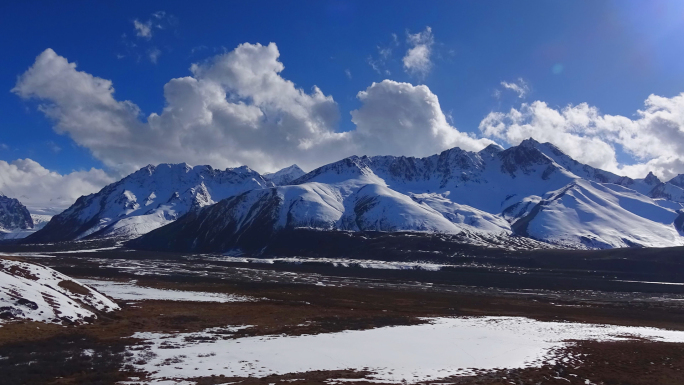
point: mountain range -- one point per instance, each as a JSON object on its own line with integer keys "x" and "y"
{"x": 16, "y": 221}
{"x": 532, "y": 190}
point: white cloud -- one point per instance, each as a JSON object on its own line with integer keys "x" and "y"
{"x": 3, "y": 146}
{"x": 143, "y": 29}
{"x": 417, "y": 59}
{"x": 143, "y": 46}
{"x": 654, "y": 138}
{"x": 39, "y": 188}
{"x": 236, "y": 109}
{"x": 348, "y": 73}
{"x": 379, "y": 63}
{"x": 520, "y": 87}
{"x": 402, "y": 119}
{"x": 385, "y": 52}
{"x": 153, "y": 54}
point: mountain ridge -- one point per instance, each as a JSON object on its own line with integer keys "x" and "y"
{"x": 456, "y": 191}
{"x": 147, "y": 199}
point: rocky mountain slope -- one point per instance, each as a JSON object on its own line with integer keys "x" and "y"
{"x": 37, "y": 293}
{"x": 15, "y": 218}
{"x": 532, "y": 190}
{"x": 13, "y": 214}
{"x": 147, "y": 199}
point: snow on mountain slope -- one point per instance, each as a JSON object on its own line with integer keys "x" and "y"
{"x": 677, "y": 181}
{"x": 600, "y": 216}
{"x": 465, "y": 217}
{"x": 37, "y": 293}
{"x": 532, "y": 186}
{"x": 15, "y": 219}
{"x": 490, "y": 180}
{"x": 13, "y": 215}
{"x": 284, "y": 176}
{"x": 669, "y": 192}
{"x": 147, "y": 199}
{"x": 39, "y": 221}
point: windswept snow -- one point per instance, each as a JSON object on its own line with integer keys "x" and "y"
{"x": 441, "y": 348}
{"x": 130, "y": 291}
{"x": 38, "y": 293}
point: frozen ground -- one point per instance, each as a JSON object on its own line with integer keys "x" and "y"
{"x": 441, "y": 348}
{"x": 130, "y": 291}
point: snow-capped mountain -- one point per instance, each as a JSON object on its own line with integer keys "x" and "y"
{"x": 677, "y": 181}
{"x": 284, "y": 176}
{"x": 34, "y": 292}
{"x": 531, "y": 190}
{"x": 147, "y": 199}
{"x": 14, "y": 217}
{"x": 39, "y": 221}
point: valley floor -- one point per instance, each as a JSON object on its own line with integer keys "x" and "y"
{"x": 210, "y": 319}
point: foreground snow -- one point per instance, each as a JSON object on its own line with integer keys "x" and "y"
{"x": 129, "y": 291}
{"x": 38, "y": 293}
{"x": 441, "y": 348}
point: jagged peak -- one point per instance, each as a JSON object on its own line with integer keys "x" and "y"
{"x": 285, "y": 175}
{"x": 651, "y": 179}
{"x": 293, "y": 167}
{"x": 492, "y": 149}
{"x": 529, "y": 142}
{"x": 244, "y": 170}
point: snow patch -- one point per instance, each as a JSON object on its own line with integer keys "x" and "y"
{"x": 130, "y": 291}
{"x": 38, "y": 293}
{"x": 441, "y": 348}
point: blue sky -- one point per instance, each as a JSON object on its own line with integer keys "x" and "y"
{"x": 610, "y": 55}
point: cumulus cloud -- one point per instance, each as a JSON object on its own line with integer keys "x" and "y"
{"x": 654, "y": 137}
{"x": 403, "y": 119}
{"x": 417, "y": 60}
{"x": 520, "y": 87}
{"x": 44, "y": 191}
{"x": 236, "y": 109}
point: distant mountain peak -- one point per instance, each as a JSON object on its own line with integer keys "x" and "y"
{"x": 677, "y": 181}
{"x": 284, "y": 176}
{"x": 529, "y": 142}
{"x": 491, "y": 149}
{"x": 146, "y": 199}
{"x": 651, "y": 179}
{"x": 14, "y": 215}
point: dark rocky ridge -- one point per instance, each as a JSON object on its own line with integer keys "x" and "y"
{"x": 14, "y": 215}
